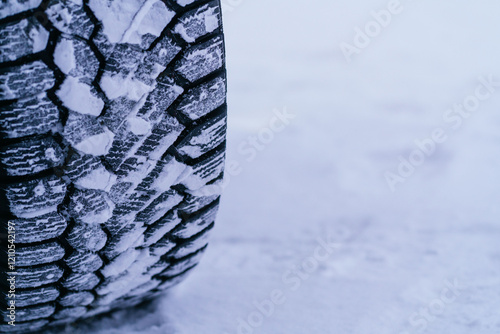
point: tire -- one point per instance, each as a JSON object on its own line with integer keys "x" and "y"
{"x": 113, "y": 125}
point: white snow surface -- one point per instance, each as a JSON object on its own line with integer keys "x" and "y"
{"x": 64, "y": 55}
{"x": 78, "y": 97}
{"x": 173, "y": 173}
{"x": 185, "y": 2}
{"x": 39, "y": 36}
{"x": 120, "y": 263}
{"x": 139, "y": 126}
{"x": 98, "y": 217}
{"x": 422, "y": 259}
{"x": 128, "y": 21}
{"x": 99, "y": 179}
{"x": 96, "y": 145}
{"x": 118, "y": 85}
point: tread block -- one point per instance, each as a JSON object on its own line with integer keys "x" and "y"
{"x": 121, "y": 263}
{"x": 117, "y": 110}
{"x": 159, "y": 207}
{"x": 138, "y": 23}
{"x": 80, "y": 97}
{"x": 88, "y": 172}
{"x": 25, "y": 80}
{"x": 182, "y": 266}
{"x": 191, "y": 246}
{"x": 162, "y": 247}
{"x": 202, "y": 59}
{"x": 80, "y": 281}
{"x": 72, "y": 299}
{"x": 100, "y": 40}
{"x": 119, "y": 78}
{"x": 123, "y": 217}
{"x": 11, "y": 7}
{"x": 156, "y": 60}
{"x": 196, "y": 224}
{"x": 90, "y": 206}
{"x": 156, "y": 137}
{"x": 34, "y": 198}
{"x": 39, "y": 254}
{"x": 199, "y": 22}
{"x": 32, "y": 313}
{"x": 87, "y": 135}
{"x": 157, "y": 230}
{"x": 154, "y": 177}
{"x": 204, "y": 138}
{"x": 192, "y": 203}
{"x": 160, "y": 98}
{"x": 147, "y": 184}
{"x": 83, "y": 262}
{"x": 124, "y": 60}
{"x": 205, "y": 171}
{"x": 36, "y": 296}
{"x": 86, "y": 237}
{"x": 166, "y": 173}
{"x": 27, "y": 117}
{"x": 31, "y": 156}
{"x": 118, "y": 191}
{"x": 80, "y": 165}
{"x": 204, "y": 98}
{"x": 162, "y": 136}
{"x": 129, "y": 207}
{"x": 128, "y": 236}
{"x": 75, "y": 58}
{"x": 69, "y": 17}
{"x": 158, "y": 267}
{"x": 38, "y": 276}
{"x": 21, "y": 38}
{"x": 123, "y": 143}
{"x": 48, "y": 226}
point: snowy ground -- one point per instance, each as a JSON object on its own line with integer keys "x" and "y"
{"x": 422, "y": 257}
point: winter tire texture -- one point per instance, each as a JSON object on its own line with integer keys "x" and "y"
{"x": 112, "y": 125}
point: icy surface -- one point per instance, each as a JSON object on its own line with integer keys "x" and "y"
{"x": 323, "y": 175}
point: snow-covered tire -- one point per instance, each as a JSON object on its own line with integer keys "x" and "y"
{"x": 112, "y": 125}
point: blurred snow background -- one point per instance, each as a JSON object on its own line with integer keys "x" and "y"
{"x": 424, "y": 258}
